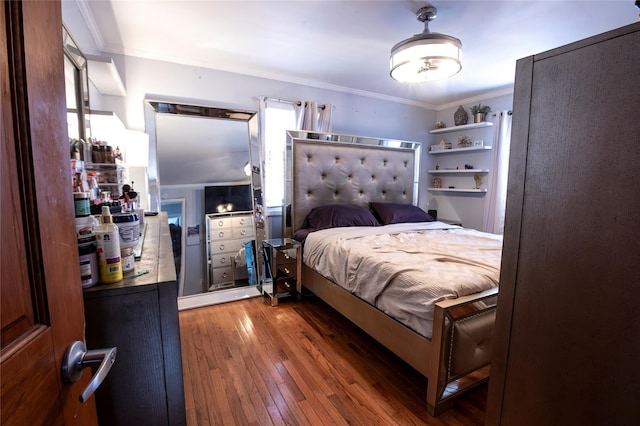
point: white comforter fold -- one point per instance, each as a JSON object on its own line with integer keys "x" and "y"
{"x": 405, "y": 269}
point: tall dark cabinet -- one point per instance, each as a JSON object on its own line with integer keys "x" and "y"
{"x": 139, "y": 316}
{"x": 567, "y": 336}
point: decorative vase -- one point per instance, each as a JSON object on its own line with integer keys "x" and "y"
{"x": 479, "y": 117}
{"x": 460, "y": 117}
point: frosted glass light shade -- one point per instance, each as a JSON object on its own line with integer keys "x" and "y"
{"x": 426, "y": 57}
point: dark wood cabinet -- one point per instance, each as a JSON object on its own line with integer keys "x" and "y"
{"x": 566, "y": 339}
{"x": 139, "y": 316}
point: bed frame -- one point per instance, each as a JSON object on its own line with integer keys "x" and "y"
{"x": 325, "y": 169}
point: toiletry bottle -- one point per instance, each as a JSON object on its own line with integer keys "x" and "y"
{"x": 108, "y": 242}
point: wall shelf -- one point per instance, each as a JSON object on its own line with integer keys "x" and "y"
{"x": 462, "y": 127}
{"x": 481, "y": 190}
{"x": 457, "y": 171}
{"x": 473, "y": 148}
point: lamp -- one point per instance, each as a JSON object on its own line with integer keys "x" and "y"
{"x": 224, "y": 206}
{"x": 426, "y": 56}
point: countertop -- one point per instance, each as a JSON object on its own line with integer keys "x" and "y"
{"x": 156, "y": 257}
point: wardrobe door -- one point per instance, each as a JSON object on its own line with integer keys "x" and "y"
{"x": 566, "y": 340}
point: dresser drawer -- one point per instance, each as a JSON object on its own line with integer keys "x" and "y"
{"x": 226, "y": 246}
{"x": 239, "y": 221}
{"x": 220, "y": 222}
{"x": 287, "y": 270}
{"x": 242, "y": 232}
{"x": 221, "y": 234}
{"x": 285, "y": 256}
{"x": 222, "y": 275}
{"x": 285, "y": 285}
{"x": 231, "y": 233}
{"x": 220, "y": 260}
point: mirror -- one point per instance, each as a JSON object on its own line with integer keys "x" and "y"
{"x": 76, "y": 87}
{"x": 210, "y": 157}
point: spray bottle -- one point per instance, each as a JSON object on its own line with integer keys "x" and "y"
{"x": 108, "y": 242}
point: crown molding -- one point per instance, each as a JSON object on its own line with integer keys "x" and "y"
{"x": 478, "y": 98}
{"x": 87, "y": 15}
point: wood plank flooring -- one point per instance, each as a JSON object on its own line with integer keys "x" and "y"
{"x": 301, "y": 363}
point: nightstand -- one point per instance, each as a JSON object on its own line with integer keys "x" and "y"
{"x": 283, "y": 266}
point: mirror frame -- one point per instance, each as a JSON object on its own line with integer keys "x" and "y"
{"x": 161, "y": 105}
{"x": 77, "y": 58}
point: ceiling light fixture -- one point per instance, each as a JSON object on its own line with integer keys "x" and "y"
{"x": 426, "y": 56}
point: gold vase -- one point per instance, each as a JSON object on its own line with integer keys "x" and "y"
{"x": 479, "y": 117}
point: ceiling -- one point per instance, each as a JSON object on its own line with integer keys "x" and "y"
{"x": 345, "y": 45}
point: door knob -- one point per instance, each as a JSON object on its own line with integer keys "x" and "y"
{"x": 77, "y": 358}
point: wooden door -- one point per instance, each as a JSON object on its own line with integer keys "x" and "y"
{"x": 41, "y": 295}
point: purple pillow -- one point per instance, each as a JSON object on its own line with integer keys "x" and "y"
{"x": 388, "y": 213}
{"x": 338, "y": 215}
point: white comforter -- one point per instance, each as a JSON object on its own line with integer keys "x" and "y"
{"x": 404, "y": 269}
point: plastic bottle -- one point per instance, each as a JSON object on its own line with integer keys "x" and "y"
{"x": 108, "y": 242}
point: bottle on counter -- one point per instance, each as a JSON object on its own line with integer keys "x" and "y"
{"x": 108, "y": 247}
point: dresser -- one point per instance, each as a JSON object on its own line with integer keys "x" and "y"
{"x": 139, "y": 316}
{"x": 227, "y": 237}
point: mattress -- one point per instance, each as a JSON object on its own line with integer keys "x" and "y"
{"x": 405, "y": 269}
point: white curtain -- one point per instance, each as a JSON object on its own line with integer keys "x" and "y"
{"x": 497, "y": 194}
{"x": 310, "y": 116}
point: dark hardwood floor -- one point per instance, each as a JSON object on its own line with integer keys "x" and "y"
{"x": 300, "y": 363}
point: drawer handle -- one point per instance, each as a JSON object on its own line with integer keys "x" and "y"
{"x": 221, "y": 246}
{"x": 221, "y": 234}
{"x": 287, "y": 271}
{"x": 220, "y": 223}
{"x": 286, "y": 255}
{"x": 224, "y": 275}
{"x": 223, "y": 260}
{"x": 243, "y": 232}
{"x": 287, "y": 285}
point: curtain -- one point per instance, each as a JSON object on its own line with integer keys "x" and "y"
{"x": 497, "y": 194}
{"x": 310, "y": 116}
{"x": 275, "y": 117}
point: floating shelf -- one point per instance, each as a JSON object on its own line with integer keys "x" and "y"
{"x": 448, "y": 151}
{"x": 481, "y": 190}
{"x": 462, "y": 127}
{"x": 457, "y": 171}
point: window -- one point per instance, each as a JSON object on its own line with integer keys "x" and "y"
{"x": 279, "y": 117}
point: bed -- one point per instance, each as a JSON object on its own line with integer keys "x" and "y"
{"x": 448, "y": 340}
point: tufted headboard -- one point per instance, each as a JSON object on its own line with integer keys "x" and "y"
{"x": 338, "y": 169}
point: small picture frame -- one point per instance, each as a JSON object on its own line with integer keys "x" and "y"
{"x": 478, "y": 144}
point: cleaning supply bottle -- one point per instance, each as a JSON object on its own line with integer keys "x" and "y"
{"x": 108, "y": 242}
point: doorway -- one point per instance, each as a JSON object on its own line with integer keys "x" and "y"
{"x": 175, "y": 208}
